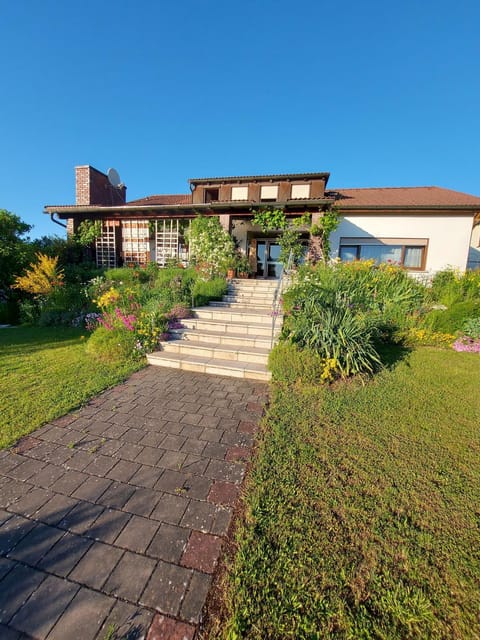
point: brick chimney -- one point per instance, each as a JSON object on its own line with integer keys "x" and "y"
{"x": 93, "y": 187}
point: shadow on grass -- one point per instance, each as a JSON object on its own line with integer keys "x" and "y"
{"x": 392, "y": 354}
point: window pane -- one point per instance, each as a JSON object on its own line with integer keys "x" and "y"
{"x": 300, "y": 190}
{"x": 239, "y": 193}
{"x": 268, "y": 192}
{"x": 381, "y": 253}
{"x": 348, "y": 254}
{"x": 413, "y": 257}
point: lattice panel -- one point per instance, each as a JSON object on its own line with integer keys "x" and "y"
{"x": 167, "y": 238}
{"x": 106, "y": 245}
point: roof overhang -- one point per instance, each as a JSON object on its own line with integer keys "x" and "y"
{"x": 278, "y": 177}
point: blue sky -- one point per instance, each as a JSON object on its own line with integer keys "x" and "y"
{"x": 376, "y": 93}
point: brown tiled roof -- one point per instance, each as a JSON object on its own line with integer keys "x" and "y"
{"x": 182, "y": 198}
{"x": 274, "y": 176}
{"x": 410, "y": 197}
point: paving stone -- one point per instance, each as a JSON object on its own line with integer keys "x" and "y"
{"x": 172, "y": 460}
{"x": 164, "y": 628}
{"x": 238, "y": 454}
{"x": 12, "y": 532}
{"x": 137, "y": 534}
{"x": 211, "y": 435}
{"x": 202, "y": 552}
{"x": 69, "y": 482}
{"x": 81, "y": 517}
{"x": 142, "y": 502}
{"x": 5, "y": 566}
{"x": 195, "y": 598}
{"x": 16, "y": 588}
{"x": 166, "y": 588}
{"x": 7, "y": 633}
{"x": 39, "y": 614}
{"x": 129, "y": 451}
{"x": 235, "y": 438}
{"x": 117, "y": 429}
{"x": 171, "y": 481}
{"x": 79, "y": 460}
{"x": 146, "y": 477}
{"x": 110, "y": 447}
{"x": 197, "y": 487}
{"x": 123, "y": 470}
{"x": 28, "y": 504}
{"x": 222, "y": 492}
{"x": 90, "y": 443}
{"x": 84, "y": 615}
{"x": 190, "y": 431}
{"x": 173, "y": 442}
{"x": 65, "y": 554}
{"x": 48, "y": 476}
{"x": 108, "y": 525}
{"x": 150, "y": 456}
{"x": 171, "y": 415}
{"x": 12, "y": 490}
{"x": 116, "y": 495}
{"x": 61, "y": 455}
{"x": 170, "y": 508}
{"x": 96, "y": 565}
{"x": 168, "y": 543}
{"x": 54, "y": 434}
{"x": 194, "y": 465}
{"x": 207, "y": 411}
{"x": 152, "y": 439}
{"x": 227, "y": 471}
{"x": 28, "y": 468}
{"x": 38, "y": 541}
{"x": 132, "y": 435}
{"x": 216, "y": 450}
{"x": 199, "y": 516}
{"x": 194, "y": 446}
{"x": 191, "y": 418}
{"x": 128, "y": 621}
{"x": 222, "y": 522}
{"x": 100, "y": 465}
{"x": 130, "y": 576}
{"x": 43, "y": 451}
{"x": 248, "y": 427}
{"x": 92, "y": 488}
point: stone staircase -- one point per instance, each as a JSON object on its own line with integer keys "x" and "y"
{"x": 229, "y": 338}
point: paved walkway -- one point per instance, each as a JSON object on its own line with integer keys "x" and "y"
{"x": 112, "y": 518}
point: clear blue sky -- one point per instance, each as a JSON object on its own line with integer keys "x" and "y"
{"x": 378, "y": 93}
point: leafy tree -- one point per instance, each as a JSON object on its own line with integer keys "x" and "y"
{"x": 15, "y": 250}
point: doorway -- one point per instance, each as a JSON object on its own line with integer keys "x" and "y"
{"x": 268, "y": 254}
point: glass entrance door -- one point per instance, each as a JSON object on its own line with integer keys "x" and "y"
{"x": 268, "y": 254}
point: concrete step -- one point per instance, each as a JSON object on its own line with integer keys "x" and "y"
{"x": 246, "y": 304}
{"x": 218, "y": 352}
{"x": 240, "y": 314}
{"x": 229, "y": 327}
{"x": 218, "y": 338}
{"x": 251, "y": 370}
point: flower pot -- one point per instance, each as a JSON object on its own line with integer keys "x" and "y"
{"x": 230, "y": 273}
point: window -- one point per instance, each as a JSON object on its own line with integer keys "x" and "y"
{"x": 300, "y": 190}
{"x": 239, "y": 193}
{"x": 210, "y": 195}
{"x": 268, "y": 193}
{"x": 406, "y": 252}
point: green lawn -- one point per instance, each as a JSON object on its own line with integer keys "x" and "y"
{"x": 362, "y": 511}
{"x": 45, "y": 373}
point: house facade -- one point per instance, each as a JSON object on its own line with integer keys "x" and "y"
{"x": 425, "y": 229}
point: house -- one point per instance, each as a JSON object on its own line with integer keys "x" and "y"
{"x": 425, "y": 229}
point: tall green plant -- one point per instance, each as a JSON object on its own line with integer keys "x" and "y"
{"x": 210, "y": 244}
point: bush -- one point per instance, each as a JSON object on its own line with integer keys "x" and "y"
{"x": 450, "y": 287}
{"x": 289, "y": 363}
{"x": 206, "y": 290}
{"x": 336, "y": 333}
{"x": 120, "y": 275}
{"x": 452, "y": 319}
{"x": 112, "y": 345}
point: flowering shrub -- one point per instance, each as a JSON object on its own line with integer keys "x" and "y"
{"x": 42, "y": 277}
{"x": 108, "y": 299}
{"x": 464, "y": 343}
{"x": 210, "y": 245}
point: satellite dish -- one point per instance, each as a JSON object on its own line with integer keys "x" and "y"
{"x": 114, "y": 178}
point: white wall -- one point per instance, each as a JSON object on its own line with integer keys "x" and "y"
{"x": 448, "y": 236}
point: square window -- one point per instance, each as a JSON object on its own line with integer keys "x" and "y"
{"x": 239, "y": 193}
{"x": 300, "y": 190}
{"x": 268, "y": 193}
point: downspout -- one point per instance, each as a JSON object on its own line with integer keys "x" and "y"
{"x": 56, "y": 221}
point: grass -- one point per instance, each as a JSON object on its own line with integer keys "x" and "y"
{"x": 44, "y": 374}
{"x": 362, "y": 510}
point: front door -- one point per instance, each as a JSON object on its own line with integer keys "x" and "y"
{"x": 268, "y": 254}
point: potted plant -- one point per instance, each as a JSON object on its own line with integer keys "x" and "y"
{"x": 244, "y": 268}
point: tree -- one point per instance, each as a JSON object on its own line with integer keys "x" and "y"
{"x": 15, "y": 250}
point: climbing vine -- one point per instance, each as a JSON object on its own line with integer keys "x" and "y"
{"x": 324, "y": 228}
